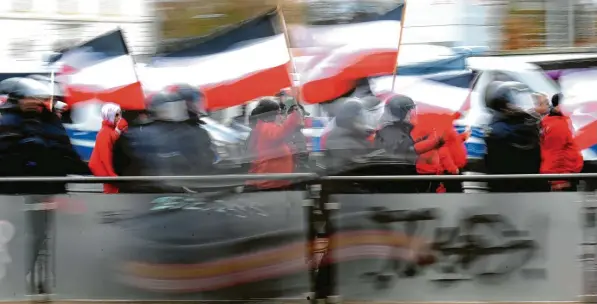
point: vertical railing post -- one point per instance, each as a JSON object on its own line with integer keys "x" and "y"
{"x": 330, "y": 260}
{"x": 589, "y": 249}
{"x": 310, "y": 204}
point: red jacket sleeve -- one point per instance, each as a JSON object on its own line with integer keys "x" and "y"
{"x": 445, "y": 158}
{"x": 426, "y": 145}
{"x": 457, "y": 148}
{"x": 272, "y": 131}
{"x": 105, "y": 142}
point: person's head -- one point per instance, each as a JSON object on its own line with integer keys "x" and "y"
{"x": 168, "y": 106}
{"x": 401, "y": 108}
{"x": 267, "y": 110}
{"x": 509, "y": 97}
{"x": 195, "y": 100}
{"x": 555, "y": 102}
{"x": 26, "y": 94}
{"x": 542, "y": 104}
{"x": 111, "y": 113}
{"x": 351, "y": 115}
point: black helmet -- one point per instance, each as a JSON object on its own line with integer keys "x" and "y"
{"x": 167, "y": 106}
{"x": 17, "y": 88}
{"x": 501, "y": 94}
{"x": 267, "y": 109}
{"x": 192, "y": 96}
{"x": 349, "y": 112}
{"x": 399, "y": 106}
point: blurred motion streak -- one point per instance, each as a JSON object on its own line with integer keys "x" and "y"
{"x": 101, "y": 69}
{"x": 266, "y": 264}
{"x": 340, "y": 55}
{"x": 231, "y": 66}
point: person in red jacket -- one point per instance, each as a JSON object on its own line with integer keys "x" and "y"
{"x": 559, "y": 152}
{"x": 100, "y": 162}
{"x": 437, "y": 161}
{"x": 267, "y": 143}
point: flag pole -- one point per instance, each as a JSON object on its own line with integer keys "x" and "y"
{"x": 288, "y": 48}
{"x": 52, "y": 85}
{"x": 395, "y": 71}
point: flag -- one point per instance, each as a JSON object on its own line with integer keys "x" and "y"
{"x": 100, "y": 69}
{"x": 230, "y": 67}
{"x": 346, "y": 53}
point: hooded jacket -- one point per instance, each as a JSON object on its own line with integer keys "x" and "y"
{"x": 559, "y": 152}
{"x": 101, "y": 161}
{"x": 270, "y": 150}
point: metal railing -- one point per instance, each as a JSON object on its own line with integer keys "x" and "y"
{"x": 321, "y": 216}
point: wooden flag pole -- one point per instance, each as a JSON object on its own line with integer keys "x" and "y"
{"x": 395, "y": 71}
{"x": 288, "y": 48}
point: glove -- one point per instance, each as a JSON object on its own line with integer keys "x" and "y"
{"x": 122, "y": 126}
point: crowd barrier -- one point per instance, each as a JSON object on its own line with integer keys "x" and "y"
{"x": 319, "y": 244}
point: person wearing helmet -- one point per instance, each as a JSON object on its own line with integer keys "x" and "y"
{"x": 348, "y": 138}
{"x": 58, "y": 106}
{"x": 33, "y": 143}
{"x": 194, "y": 101}
{"x": 267, "y": 146}
{"x": 394, "y": 135}
{"x": 170, "y": 144}
{"x": 513, "y": 137}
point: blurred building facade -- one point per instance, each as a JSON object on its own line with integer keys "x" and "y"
{"x": 31, "y": 29}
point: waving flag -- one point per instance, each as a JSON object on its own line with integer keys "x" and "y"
{"x": 101, "y": 69}
{"x": 230, "y": 67}
{"x": 347, "y": 53}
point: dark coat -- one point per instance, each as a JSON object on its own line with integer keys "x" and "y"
{"x": 36, "y": 144}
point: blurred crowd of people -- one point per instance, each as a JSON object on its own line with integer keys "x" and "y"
{"x": 168, "y": 139}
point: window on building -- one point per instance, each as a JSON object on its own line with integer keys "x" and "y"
{"x": 22, "y": 5}
{"x": 68, "y": 6}
{"x": 110, "y": 7}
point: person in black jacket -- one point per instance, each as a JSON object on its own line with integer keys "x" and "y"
{"x": 394, "y": 137}
{"x": 173, "y": 143}
{"x": 348, "y": 139}
{"x": 513, "y": 137}
{"x": 33, "y": 143}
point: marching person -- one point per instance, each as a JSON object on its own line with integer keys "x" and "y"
{"x": 435, "y": 161}
{"x": 559, "y": 152}
{"x": 396, "y": 138}
{"x": 513, "y": 138}
{"x": 348, "y": 138}
{"x": 101, "y": 161}
{"x": 171, "y": 143}
{"x": 267, "y": 144}
{"x": 34, "y": 143}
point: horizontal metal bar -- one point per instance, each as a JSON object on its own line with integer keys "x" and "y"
{"x": 198, "y": 178}
{"x": 466, "y": 178}
{"x": 298, "y": 176}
